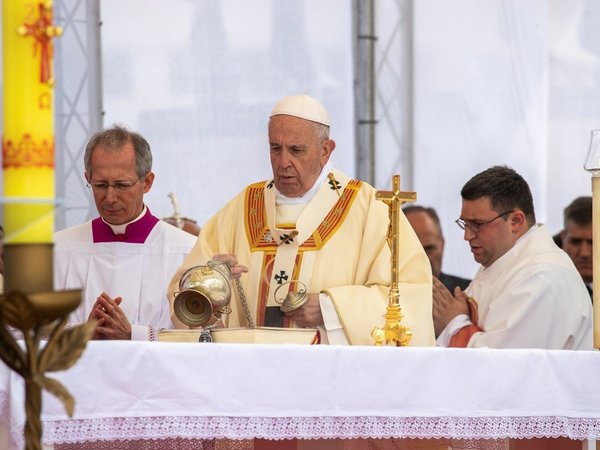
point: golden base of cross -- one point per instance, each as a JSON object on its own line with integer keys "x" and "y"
{"x": 393, "y": 333}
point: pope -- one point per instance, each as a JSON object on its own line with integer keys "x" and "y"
{"x": 312, "y": 225}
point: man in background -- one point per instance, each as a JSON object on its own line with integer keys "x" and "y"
{"x": 426, "y": 224}
{"x": 123, "y": 259}
{"x": 576, "y": 237}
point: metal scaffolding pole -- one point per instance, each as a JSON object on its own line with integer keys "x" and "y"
{"x": 78, "y": 105}
{"x": 364, "y": 88}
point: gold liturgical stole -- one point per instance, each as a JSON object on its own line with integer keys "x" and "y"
{"x": 289, "y": 247}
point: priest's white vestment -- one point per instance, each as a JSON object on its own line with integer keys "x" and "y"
{"x": 335, "y": 244}
{"x": 530, "y": 297}
{"x": 137, "y": 272}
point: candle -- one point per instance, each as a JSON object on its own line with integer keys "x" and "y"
{"x": 28, "y": 140}
{"x": 596, "y": 255}
{"x": 592, "y": 165}
{"x": 28, "y": 144}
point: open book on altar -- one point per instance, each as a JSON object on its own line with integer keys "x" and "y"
{"x": 258, "y": 335}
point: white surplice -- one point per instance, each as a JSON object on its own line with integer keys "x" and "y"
{"x": 531, "y": 297}
{"x": 139, "y": 273}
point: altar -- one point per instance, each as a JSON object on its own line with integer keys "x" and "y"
{"x": 183, "y": 392}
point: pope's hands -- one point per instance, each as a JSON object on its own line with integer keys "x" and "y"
{"x": 447, "y": 306}
{"x": 309, "y": 315}
{"x": 111, "y": 320}
{"x": 236, "y": 269}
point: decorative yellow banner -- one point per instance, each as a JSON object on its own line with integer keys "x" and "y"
{"x": 28, "y": 140}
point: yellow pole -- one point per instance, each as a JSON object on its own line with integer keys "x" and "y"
{"x": 28, "y": 140}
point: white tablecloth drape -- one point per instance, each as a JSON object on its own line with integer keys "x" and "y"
{"x": 156, "y": 390}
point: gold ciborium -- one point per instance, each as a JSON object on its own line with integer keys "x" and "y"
{"x": 30, "y": 311}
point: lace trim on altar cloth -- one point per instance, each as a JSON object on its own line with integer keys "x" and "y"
{"x": 251, "y": 444}
{"x": 203, "y": 429}
{"x": 142, "y": 444}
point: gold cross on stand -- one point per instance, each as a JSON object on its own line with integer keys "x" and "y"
{"x": 393, "y": 333}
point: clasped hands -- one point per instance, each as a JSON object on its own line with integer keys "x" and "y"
{"x": 112, "y": 323}
{"x": 446, "y": 306}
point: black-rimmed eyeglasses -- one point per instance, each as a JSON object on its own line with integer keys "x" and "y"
{"x": 475, "y": 227}
{"x": 101, "y": 186}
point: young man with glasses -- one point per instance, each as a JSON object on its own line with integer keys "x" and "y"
{"x": 527, "y": 292}
{"x": 123, "y": 259}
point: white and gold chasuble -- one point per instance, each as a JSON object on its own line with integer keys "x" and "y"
{"x": 334, "y": 244}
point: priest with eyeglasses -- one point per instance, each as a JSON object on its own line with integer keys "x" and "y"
{"x": 123, "y": 259}
{"x": 527, "y": 292}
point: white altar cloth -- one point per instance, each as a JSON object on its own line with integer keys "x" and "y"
{"x": 158, "y": 390}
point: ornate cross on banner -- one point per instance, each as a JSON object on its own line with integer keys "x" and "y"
{"x": 42, "y": 31}
{"x": 393, "y": 333}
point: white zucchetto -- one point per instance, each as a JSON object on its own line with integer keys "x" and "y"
{"x": 302, "y": 106}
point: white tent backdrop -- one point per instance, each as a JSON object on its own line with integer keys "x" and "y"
{"x": 199, "y": 78}
{"x": 463, "y": 85}
{"x": 480, "y": 88}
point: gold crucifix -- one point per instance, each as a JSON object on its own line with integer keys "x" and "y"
{"x": 393, "y": 333}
